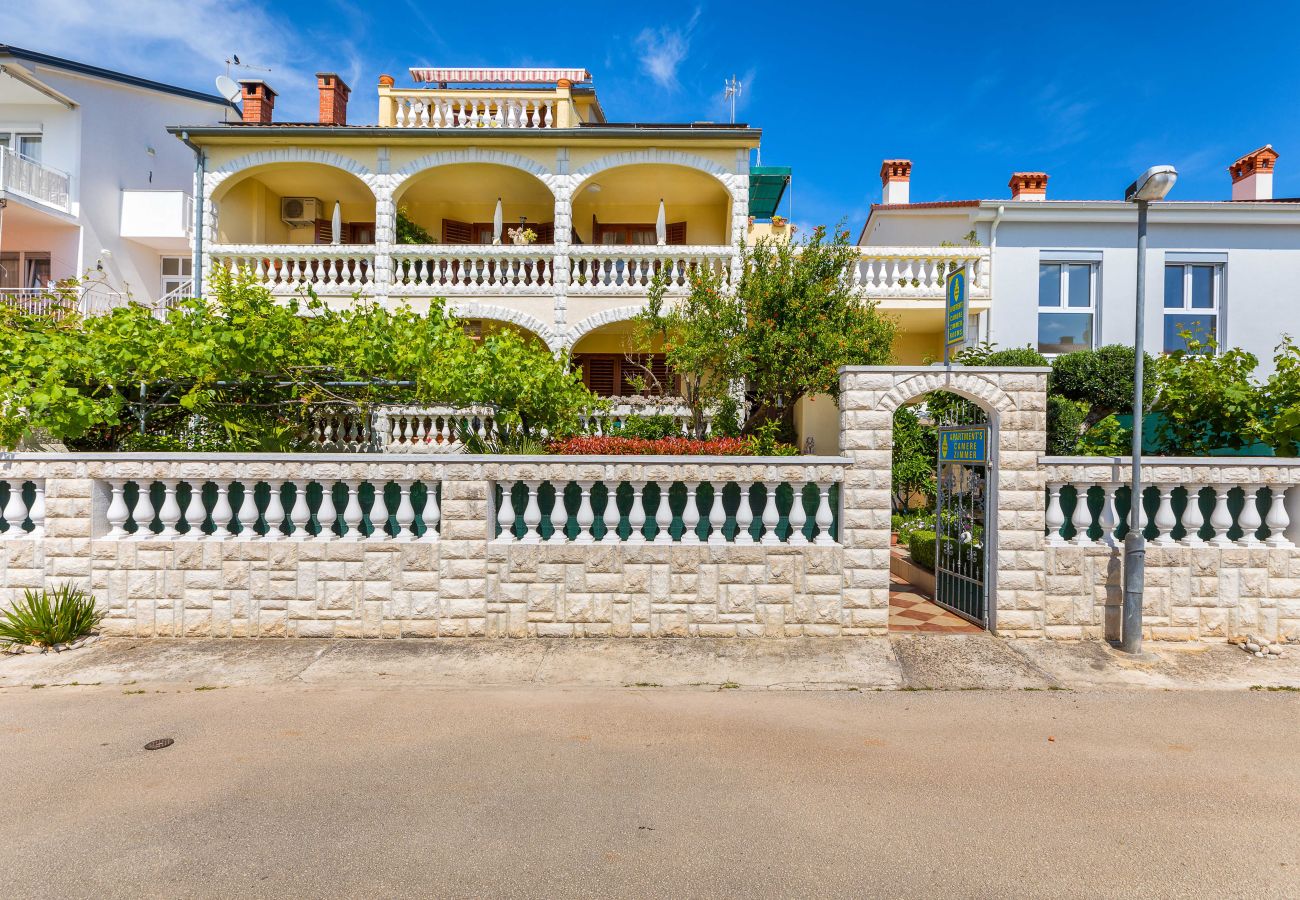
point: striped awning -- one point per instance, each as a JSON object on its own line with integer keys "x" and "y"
{"x": 498, "y": 76}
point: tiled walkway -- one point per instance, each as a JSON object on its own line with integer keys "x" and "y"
{"x": 910, "y": 611}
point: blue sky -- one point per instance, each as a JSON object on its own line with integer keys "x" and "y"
{"x": 1092, "y": 92}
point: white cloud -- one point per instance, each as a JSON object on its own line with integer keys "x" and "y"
{"x": 664, "y": 49}
{"x": 183, "y": 42}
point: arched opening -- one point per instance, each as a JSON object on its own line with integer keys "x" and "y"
{"x": 293, "y": 203}
{"x": 942, "y": 515}
{"x": 615, "y": 364}
{"x": 456, "y": 204}
{"x": 620, "y": 207}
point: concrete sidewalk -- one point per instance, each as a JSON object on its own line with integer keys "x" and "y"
{"x": 904, "y": 662}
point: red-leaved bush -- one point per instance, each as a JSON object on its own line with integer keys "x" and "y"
{"x": 591, "y": 445}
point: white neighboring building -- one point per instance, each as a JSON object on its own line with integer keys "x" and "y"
{"x": 1063, "y": 272}
{"x": 90, "y": 181}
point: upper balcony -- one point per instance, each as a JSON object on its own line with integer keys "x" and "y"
{"x": 163, "y": 220}
{"x": 29, "y": 180}
{"x": 490, "y": 98}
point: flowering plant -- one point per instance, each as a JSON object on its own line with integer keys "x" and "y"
{"x": 522, "y": 235}
{"x": 592, "y": 445}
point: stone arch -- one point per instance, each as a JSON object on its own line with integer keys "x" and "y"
{"x": 982, "y": 390}
{"x": 654, "y": 155}
{"x": 468, "y": 309}
{"x": 600, "y": 319}
{"x": 289, "y": 155}
{"x": 473, "y": 155}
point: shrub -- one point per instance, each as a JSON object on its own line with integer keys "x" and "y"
{"x": 985, "y": 354}
{"x": 1102, "y": 379}
{"x": 651, "y": 428}
{"x": 45, "y": 619}
{"x": 726, "y": 420}
{"x": 921, "y": 548}
{"x": 1064, "y": 425}
{"x": 591, "y": 445}
{"x": 895, "y": 523}
{"x": 765, "y": 442}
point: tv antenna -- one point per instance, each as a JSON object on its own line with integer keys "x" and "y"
{"x": 234, "y": 60}
{"x": 733, "y": 89}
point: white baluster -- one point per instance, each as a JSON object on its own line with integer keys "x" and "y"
{"x": 379, "y": 513}
{"x": 1249, "y": 519}
{"x": 300, "y": 513}
{"x": 1193, "y": 519}
{"x": 15, "y": 510}
{"x": 143, "y": 512}
{"x": 352, "y": 512}
{"x": 586, "y": 517}
{"x": 432, "y": 513}
{"x": 170, "y": 512}
{"x": 744, "y": 514}
{"x": 798, "y": 515}
{"x": 1221, "y": 517}
{"x": 1109, "y": 515}
{"x": 405, "y": 513}
{"x": 1278, "y": 519}
{"x": 116, "y": 514}
{"x": 560, "y": 514}
{"x": 1055, "y": 516}
{"x": 1081, "y": 518}
{"x": 1164, "y": 518}
{"x": 771, "y": 515}
{"x": 609, "y": 516}
{"x": 327, "y": 514}
{"x": 825, "y": 517}
{"x": 636, "y": 515}
{"x": 37, "y": 511}
{"x": 533, "y": 516}
{"x": 663, "y": 516}
{"x": 717, "y": 515}
{"x": 248, "y": 512}
{"x": 690, "y": 515}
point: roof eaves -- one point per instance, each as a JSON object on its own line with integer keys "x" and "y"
{"x": 78, "y": 68}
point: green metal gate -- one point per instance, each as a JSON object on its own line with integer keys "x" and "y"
{"x": 963, "y": 520}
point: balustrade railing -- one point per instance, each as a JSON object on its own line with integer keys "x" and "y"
{"x": 431, "y": 429}
{"x": 250, "y": 509}
{"x": 417, "y": 109}
{"x": 609, "y": 270}
{"x": 613, "y": 420}
{"x": 746, "y": 511}
{"x": 288, "y": 268}
{"x": 22, "y": 508}
{"x": 21, "y": 175}
{"x": 920, "y": 273}
{"x": 457, "y": 269}
{"x": 1188, "y": 503}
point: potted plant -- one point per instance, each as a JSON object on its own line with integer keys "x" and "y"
{"x": 522, "y": 236}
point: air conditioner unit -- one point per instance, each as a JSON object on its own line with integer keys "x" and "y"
{"x": 299, "y": 211}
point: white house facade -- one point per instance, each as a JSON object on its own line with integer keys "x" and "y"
{"x": 91, "y": 184}
{"x": 1063, "y": 273}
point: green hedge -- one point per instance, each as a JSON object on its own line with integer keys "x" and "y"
{"x": 921, "y": 547}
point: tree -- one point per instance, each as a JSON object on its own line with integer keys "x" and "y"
{"x": 1207, "y": 399}
{"x": 1102, "y": 379}
{"x": 915, "y": 452}
{"x": 1278, "y": 414}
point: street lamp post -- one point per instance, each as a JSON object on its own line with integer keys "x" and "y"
{"x": 1153, "y": 184}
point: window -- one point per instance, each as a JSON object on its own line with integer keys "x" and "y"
{"x": 177, "y": 272}
{"x": 1192, "y": 296}
{"x": 610, "y": 375}
{"x": 1067, "y": 306}
{"x": 24, "y": 271}
{"x": 26, "y": 143}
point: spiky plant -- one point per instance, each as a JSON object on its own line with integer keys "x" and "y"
{"x": 45, "y": 618}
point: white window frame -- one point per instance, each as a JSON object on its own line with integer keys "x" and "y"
{"x": 1094, "y": 287}
{"x": 13, "y": 133}
{"x": 171, "y": 282}
{"x": 1216, "y": 289}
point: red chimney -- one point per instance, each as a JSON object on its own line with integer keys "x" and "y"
{"x": 333, "y": 99}
{"x": 1252, "y": 175}
{"x": 895, "y": 181}
{"x": 259, "y": 101}
{"x": 1028, "y": 186}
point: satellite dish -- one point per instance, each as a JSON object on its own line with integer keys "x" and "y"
{"x": 227, "y": 88}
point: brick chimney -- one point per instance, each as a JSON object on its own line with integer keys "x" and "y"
{"x": 259, "y": 101}
{"x": 1252, "y": 175}
{"x": 895, "y": 181}
{"x": 333, "y": 98}
{"x": 1028, "y": 186}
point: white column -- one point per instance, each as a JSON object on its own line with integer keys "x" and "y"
{"x": 636, "y": 515}
{"x": 379, "y": 513}
{"x": 1221, "y": 517}
{"x": 1055, "y": 515}
{"x": 1081, "y": 518}
{"x": 825, "y": 517}
{"x": 15, "y": 509}
{"x": 222, "y": 512}
{"x": 532, "y": 516}
{"x": 1249, "y": 519}
{"x": 300, "y": 513}
{"x": 586, "y": 517}
{"x": 560, "y": 265}
{"x": 609, "y": 517}
{"x": 798, "y": 515}
{"x": 37, "y": 511}
{"x": 248, "y": 512}
{"x": 1193, "y": 518}
{"x": 170, "y": 513}
{"x": 143, "y": 512}
{"x": 771, "y": 515}
{"x": 432, "y": 513}
{"x": 744, "y": 514}
{"x": 717, "y": 515}
{"x": 1278, "y": 519}
{"x": 663, "y": 516}
{"x": 691, "y": 515}
{"x": 559, "y": 514}
{"x": 505, "y": 512}
{"x": 1109, "y": 516}
{"x": 327, "y": 513}
{"x": 405, "y": 513}
{"x": 274, "y": 514}
{"x": 1164, "y": 520}
{"x": 117, "y": 512}
{"x": 353, "y": 515}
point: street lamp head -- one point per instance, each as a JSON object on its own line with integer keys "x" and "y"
{"x": 1153, "y": 184}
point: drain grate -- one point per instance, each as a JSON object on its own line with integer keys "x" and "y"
{"x": 159, "y": 744}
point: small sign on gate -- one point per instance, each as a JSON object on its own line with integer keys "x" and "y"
{"x": 964, "y": 445}
{"x": 956, "y": 311}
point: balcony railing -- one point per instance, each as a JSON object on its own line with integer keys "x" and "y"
{"x": 455, "y": 270}
{"x": 89, "y": 300}
{"x": 28, "y": 178}
{"x": 475, "y": 108}
{"x": 612, "y": 270}
{"x": 919, "y": 272}
{"x": 289, "y": 268}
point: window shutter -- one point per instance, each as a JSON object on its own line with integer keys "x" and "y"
{"x": 676, "y": 234}
{"x": 454, "y": 232}
{"x": 324, "y": 231}
{"x": 600, "y": 374}
{"x": 545, "y": 232}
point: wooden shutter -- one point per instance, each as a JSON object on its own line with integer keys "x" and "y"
{"x": 676, "y": 234}
{"x": 600, "y": 374}
{"x": 454, "y": 232}
{"x": 359, "y": 233}
{"x": 545, "y": 232}
{"x": 324, "y": 231}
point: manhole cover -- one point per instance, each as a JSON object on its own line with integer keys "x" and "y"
{"x": 159, "y": 744}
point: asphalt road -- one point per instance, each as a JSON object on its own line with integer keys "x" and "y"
{"x": 309, "y": 791}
